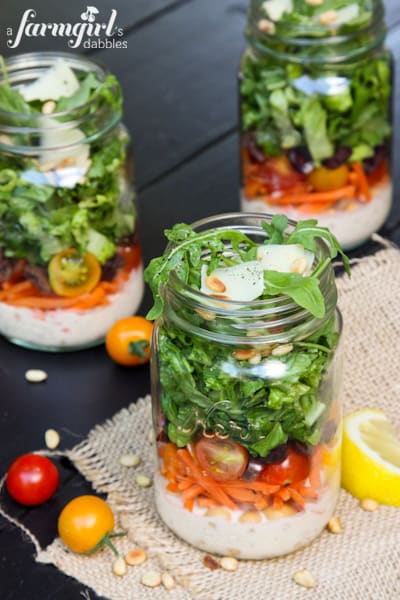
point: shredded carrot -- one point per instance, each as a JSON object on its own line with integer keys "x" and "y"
{"x": 362, "y": 181}
{"x": 43, "y": 302}
{"x": 186, "y": 477}
{"x": 314, "y": 208}
{"x": 347, "y": 191}
{"x": 90, "y": 300}
{"x": 204, "y": 502}
{"x": 192, "y": 492}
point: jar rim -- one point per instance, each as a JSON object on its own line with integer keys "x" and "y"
{"x": 29, "y": 66}
{"x": 22, "y": 63}
{"x": 312, "y": 35}
{"x": 279, "y": 310}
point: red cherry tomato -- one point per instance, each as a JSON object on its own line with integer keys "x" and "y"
{"x": 294, "y": 468}
{"x": 222, "y": 459}
{"x": 32, "y": 479}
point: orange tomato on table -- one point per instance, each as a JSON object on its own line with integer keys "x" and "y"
{"x": 128, "y": 341}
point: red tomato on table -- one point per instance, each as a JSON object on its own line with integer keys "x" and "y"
{"x": 32, "y": 479}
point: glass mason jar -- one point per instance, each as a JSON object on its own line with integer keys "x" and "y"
{"x": 315, "y": 95}
{"x": 247, "y": 414}
{"x": 70, "y": 260}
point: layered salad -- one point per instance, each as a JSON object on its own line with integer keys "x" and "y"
{"x": 70, "y": 262}
{"x": 315, "y": 106}
{"x": 245, "y": 390}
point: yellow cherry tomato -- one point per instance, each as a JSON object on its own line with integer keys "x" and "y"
{"x": 71, "y": 274}
{"x": 327, "y": 180}
{"x": 84, "y": 523}
{"x": 128, "y": 341}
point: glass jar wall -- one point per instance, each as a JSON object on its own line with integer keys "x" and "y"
{"x": 315, "y": 89}
{"x": 70, "y": 260}
{"x": 247, "y": 414}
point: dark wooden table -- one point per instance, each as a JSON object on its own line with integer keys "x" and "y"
{"x": 178, "y": 73}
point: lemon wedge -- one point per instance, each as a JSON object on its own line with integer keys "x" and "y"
{"x": 371, "y": 457}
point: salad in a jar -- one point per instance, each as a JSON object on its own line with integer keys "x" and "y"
{"x": 70, "y": 260}
{"x": 315, "y": 91}
{"x": 245, "y": 384}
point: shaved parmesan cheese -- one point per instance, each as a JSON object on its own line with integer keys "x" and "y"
{"x": 243, "y": 282}
{"x": 276, "y": 8}
{"x": 284, "y": 257}
{"x": 59, "y": 80}
{"x": 346, "y": 14}
{"x": 53, "y": 137}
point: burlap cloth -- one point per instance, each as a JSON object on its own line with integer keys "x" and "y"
{"x": 361, "y": 563}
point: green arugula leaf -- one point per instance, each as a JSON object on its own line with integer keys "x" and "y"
{"x": 305, "y": 291}
{"x": 307, "y": 232}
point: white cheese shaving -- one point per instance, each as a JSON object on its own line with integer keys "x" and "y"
{"x": 346, "y": 14}
{"x": 54, "y": 136}
{"x": 282, "y": 257}
{"x": 59, "y": 80}
{"x": 243, "y": 282}
{"x": 275, "y": 8}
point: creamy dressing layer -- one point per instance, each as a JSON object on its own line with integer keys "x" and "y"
{"x": 266, "y": 539}
{"x": 67, "y": 329}
{"x": 352, "y": 223}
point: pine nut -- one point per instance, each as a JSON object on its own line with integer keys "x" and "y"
{"x": 256, "y": 359}
{"x": 35, "y": 375}
{"x": 210, "y": 562}
{"x": 314, "y": 2}
{"x": 266, "y": 26}
{"x": 135, "y": 557}
{"x": 168, "y": 581}
{"x": 335, "y": 525}
{"x": 218, "y": 511}
{"x": 229, "y": 563}
{"x": 119, "y": 567}
{"x": 328, "y": 17}
{"x": 304, "y": 578}
{"x": 51, "y": 438}
{"x": 207, "y": 315}
{"x": 368, "y": 504}
{"x": 251, "y": 516}
{"x": 244, "y": 354}
{"x": 299, "y": 266}
{"x": 130, "y": 460}
{"x": 151, "y": 579}
{"x": 150, "y": 436}
{"x": 48, "y": 107}
{"x": 6, "y": 140}
{"x": 266, "y": 352}
{"x": 215, "y": 284}
{"x": 274, "y": 514}
{"x": 142, "y": 480}
{"x": 282, "y": 350}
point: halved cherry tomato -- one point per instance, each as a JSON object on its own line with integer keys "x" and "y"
{"x": 128, "y": 341}
{"x": 32, "y": 479}
{"x": 327, "y": 180}
{"x": 222, "y": 459}
{"x": 279, "y": 174}
{"x": 84, "y": 523}
{"x": 71, "y": 274}
{"x": 294, "y": 468}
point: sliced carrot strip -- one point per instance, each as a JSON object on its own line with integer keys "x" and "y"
{"x": 90, "y": 300}
{"x": 277, "y": 502}
{"x": 204, "y": 502}
{"x": 43, "y": 302}
{"x": 240, "y": 494}
{"x": 362, "y": 181}
{"x": 347, "y": 191}
{"x": 192, "y": 492}
{"x": 188, "y": 504}
{"x": 173, "y": 487}
{"x": 284, "y": 493}
{"x": 298, "y": 498}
